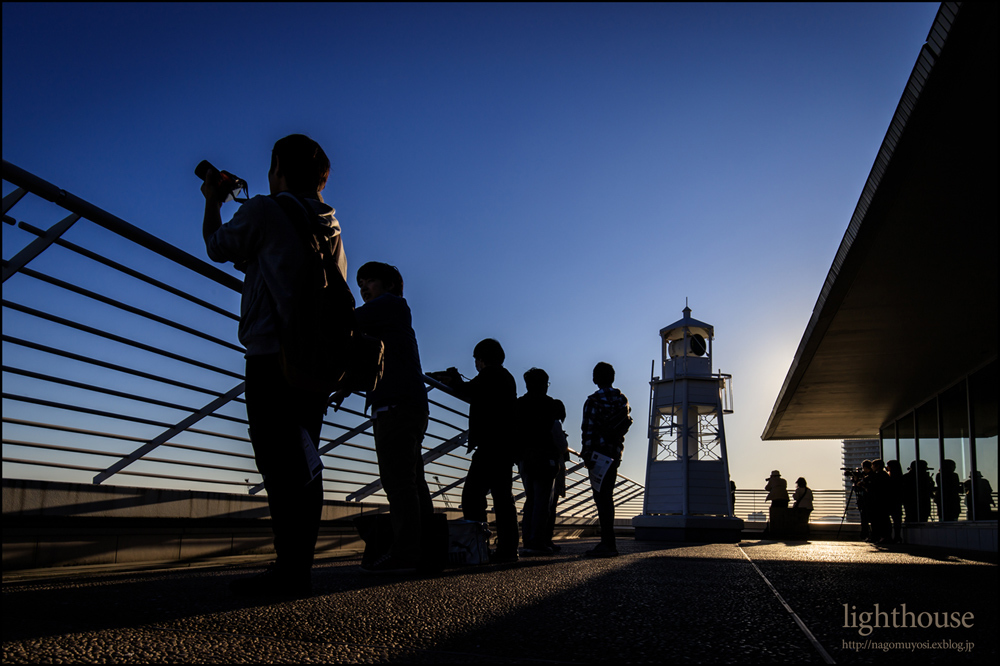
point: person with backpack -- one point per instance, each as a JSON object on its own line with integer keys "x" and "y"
{"x": 399, "y": 413}
{"x": 285, "y": 417}
{"x": 606, "y": 419}
{"x": 539, "y": 424}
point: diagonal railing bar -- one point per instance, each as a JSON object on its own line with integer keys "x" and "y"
{"x": 429, "y": 456}
{"x": 443, "y": 490}
{"x": 446, "y": 447}
{"x": 111, "y": 263}
{"x": 619, "y": 481}
{"x": 10, "y": 200}
{"x": 37, "y": 246}
{"x": 575, "y": 499}
{"x": 635, "y": 493}
{"x": 116, "y": 338}
{"x": 129, "y": 308}
{"x": 350, "y": 434}
{"x": 170, "y": 433}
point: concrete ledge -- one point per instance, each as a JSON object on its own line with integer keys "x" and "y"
{"x": 52, "y": 524}
{"x": 971, "y": 535}
{"x": 701, "y": 529}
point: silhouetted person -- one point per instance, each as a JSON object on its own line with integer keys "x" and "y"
{"x": 285, "y": 420}
{"x": 881, "y": 496}
{"x": 777, "y": 492}
{"x": 979, "y": 497}
{"x": 537, "y": 417}
{"x": 802, "y": 499}
{"x": 918, "y": 487}
{"x": 606, "y": 420}
{"x": 492, "y": 395}
{"x": 399, "y": 414}
{"x": 948, "y": 494}
{"x": 894, "y": 500}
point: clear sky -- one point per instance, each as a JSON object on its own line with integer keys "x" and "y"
{"x": 559, "y": 177}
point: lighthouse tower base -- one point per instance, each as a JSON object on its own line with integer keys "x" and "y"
{"x": 701, "y": 529}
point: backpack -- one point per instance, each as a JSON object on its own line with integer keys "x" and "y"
{"x": 320, "y": 349}
{"x": 616, "y": 421}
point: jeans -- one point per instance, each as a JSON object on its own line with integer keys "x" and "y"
{"x": 604, "y": 498}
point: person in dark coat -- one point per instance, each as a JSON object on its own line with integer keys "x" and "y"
{"x": 492, "y": 396}
{"x": 538, "y": 416}
{"x": 399, "y": 412}
{"x": 948, "y": 494}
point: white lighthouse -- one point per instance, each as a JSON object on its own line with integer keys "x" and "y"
{"x": 688, "y": 496}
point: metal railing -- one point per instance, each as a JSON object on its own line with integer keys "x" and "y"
{"x": 119, "y": 366}
{"x": 828, "y": 506}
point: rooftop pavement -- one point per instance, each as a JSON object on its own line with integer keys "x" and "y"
{"x": 752, "y": 602}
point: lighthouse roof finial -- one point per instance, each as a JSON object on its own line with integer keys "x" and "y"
{"x": 675, "y": 331}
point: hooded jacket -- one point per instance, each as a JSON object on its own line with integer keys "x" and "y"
{"x": 261, "y": 242}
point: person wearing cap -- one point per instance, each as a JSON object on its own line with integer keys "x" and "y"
{"x": 777, "y": 492}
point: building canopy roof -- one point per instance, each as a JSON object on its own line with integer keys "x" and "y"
{"x": 909, "y": 306}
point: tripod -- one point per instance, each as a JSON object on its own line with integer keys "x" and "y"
{"x": 847, "y": 507}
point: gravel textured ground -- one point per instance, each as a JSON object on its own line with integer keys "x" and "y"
{"x": 700, "y": 603}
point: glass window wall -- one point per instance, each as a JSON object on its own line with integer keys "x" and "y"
{"x": 907, "y": 442}
{"x": 957, "y": 462}
{"x": 981, "y": 492}
{"x": 928, "y": 461}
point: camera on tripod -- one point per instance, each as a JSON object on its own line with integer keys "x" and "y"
{"x": 228, "y": 182}
{"x": 855, "y": 474}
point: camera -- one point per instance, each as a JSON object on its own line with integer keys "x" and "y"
{"x": 229, "y": 183}
{"x": 855, "y": 474}
{"x": 447, "y": 377}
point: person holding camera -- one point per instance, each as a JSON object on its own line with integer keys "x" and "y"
{"x": 285, "y": 420}
{"x": 606, "y": 420}
{"x": 492, "y": 397}
{"x": 399, "y": 415}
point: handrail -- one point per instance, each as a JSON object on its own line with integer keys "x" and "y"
{"x": 108, "y": 371}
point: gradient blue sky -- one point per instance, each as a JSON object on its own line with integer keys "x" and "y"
{"x": 560, "y": 177}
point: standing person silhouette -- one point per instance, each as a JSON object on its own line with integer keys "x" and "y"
{"x": 606, "y": 419}
{"x": 399, "y": 415}
{"x": 492, "y": 396}
{"x": 285, "y": 420}
{"x": 537, "y": 417}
